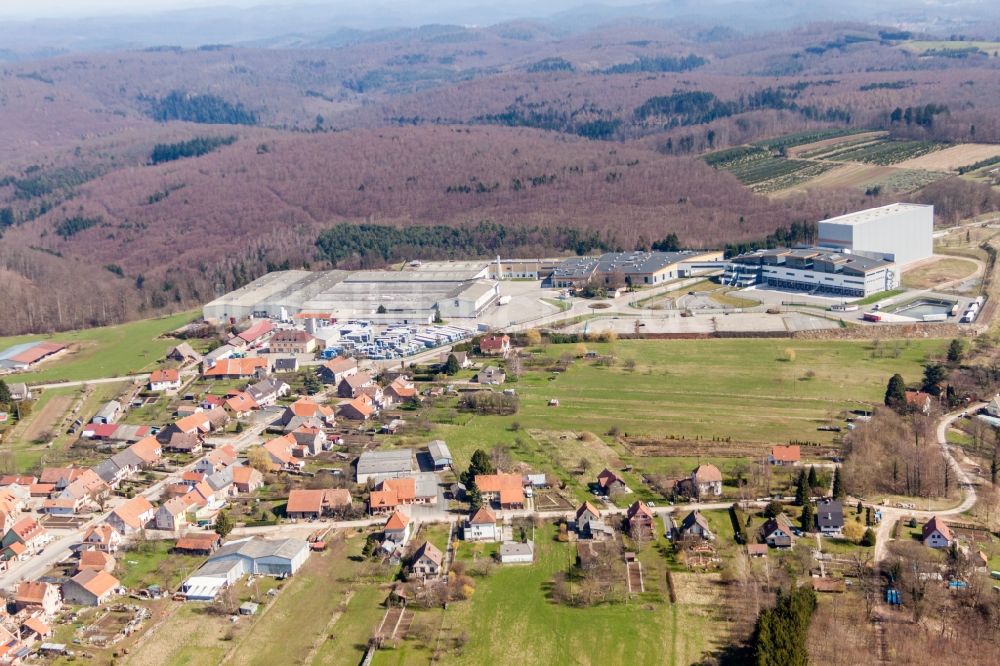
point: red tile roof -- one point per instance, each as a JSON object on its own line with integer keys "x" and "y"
{"x": 257, "y": 330}
{"x": 790, "y": 453}
{"x": 236, "y": 367}
{"x": 168, "y": 375}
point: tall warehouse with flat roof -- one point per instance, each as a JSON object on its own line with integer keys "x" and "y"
{"x": 899, "y": 232}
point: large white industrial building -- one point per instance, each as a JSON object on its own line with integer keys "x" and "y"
{"x": 901, "y": 233}
{"x": 455, "y": 289}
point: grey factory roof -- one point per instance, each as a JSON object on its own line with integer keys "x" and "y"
{"x": 255, "y": 548}
{"x": 216, "y": 568}
{"x": 629, "y": 263}
{"x": 385, "y": 462}
{"x": 850, "y": 261}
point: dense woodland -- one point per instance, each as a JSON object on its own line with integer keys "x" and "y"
{"x": 191, "y": 171}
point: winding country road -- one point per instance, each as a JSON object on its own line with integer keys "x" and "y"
{"x": 891, "y": 514}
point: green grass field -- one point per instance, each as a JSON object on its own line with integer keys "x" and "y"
{"x": 745, "y": 390}
{"x": 510, "y": 614}
{"x": 111, "y": 351}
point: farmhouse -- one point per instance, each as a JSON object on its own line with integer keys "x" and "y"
{"x": 777, "y": 532}
{"x": 307, "y": 504}
{"x": 506, "y": 490}
{"x": 481, "y": 526}
{"x": 695, "y": 526}
{"x": 639, "y": 518}
{"x": 165, "y": 380}
{"x": 292, "y": 341}
{"x": 610, "y": 483}
{"x": 90, "y": 588}
{"x": 183, "y": 353}
{"x": 427, "y": 561}
{"x": 707, "y": 480}
{"x": 494, "y": 345}
{"x": 919, "y": 401}
{"x": 830, "y": 516}
{"x": 785, "y": 455}
{"x": 103, "y": 538}
{"x": 37, "y": 596}
{"x": 937, "y": 534}
{"x": 95, "y": 560}
{"x": 391, "y": 494}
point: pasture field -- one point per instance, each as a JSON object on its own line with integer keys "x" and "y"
{"x": 111, "y": 351}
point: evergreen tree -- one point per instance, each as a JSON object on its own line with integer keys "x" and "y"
{"x": 813, "y": 479}
{"x": 801, "y": 492}
{"x": 868, "y": 540}
{"x": 452, "y": 366}
{"x": 311, "y": 384}
{"x": 480, "y": 464}
{"x": 895, "y": 393}
{"x": 437, "y": 317}
{"x": 934, "y": 375}
{"x": 806, "y": 520}
{"x": 838, "y": 484}
{"x": 4, "y": 393}
{"x": 223, "y": 524}
{"x": 955, "y": 351}
{"x": 380, "y": 310}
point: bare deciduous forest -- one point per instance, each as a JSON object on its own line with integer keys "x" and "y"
{"x": 601, "y": 129}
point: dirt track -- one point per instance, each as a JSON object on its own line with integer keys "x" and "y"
{"x": 47, "y": 419}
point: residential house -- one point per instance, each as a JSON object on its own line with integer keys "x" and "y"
{"x": 90, "y": 588}
{"x": 350, "y": 386}
{"x": 919, "y": 401}
{"x": 639, "y": 518}
{"x": 312, "y": 504}
{"x": 401, "y": 390}
{"x": 222, "y": 484}
{"x": 830, "y": 516}
{"x": 461, "y": 357}
{"x": 515, "y": 552}
{"x": 289, "y": 364}
{"x": 589, "y": 524}
{"x": 481, "y": 526}
{"x": 198, "y": 423}
{"x": 610, "y": 483}
{"x": 172, "y": 515}
{"x": 131, "y": 516}
{"x": 61, "y": 507}
{"x": 397, "y": 528}
{"x": 292, "y": 341}
{"x": 309, "y": 441}
{"x": 440, "y": 455}
{"x": 236, "y": 368}
{"x": 280, "y": 450}
{"x": 59, "y": 477}
{"x": 695, "y": 526}
{"x": 361, "y": 408}
{"x": 427, "y": 561}
{"x": 37, "y": 596}
{"x": 937, "y": 534}
{"x": 306, "y": 411}
{"x": 103, "y": 538}
{"x": 95, "y": 560}
{"x": 494, "y": 345}
{"x": 246, "y": 479}
{"x": 785, "y": 455}
{"x": 109, "y": 413}
{"x": 168, "y": 379}
{"x": 707, "y": 480}
{"x": 218, "y": 418}
{"x": 35, "y": 629}
{"x": 993, "y": 406}
{"x": 491, "y": 375}
{"x": 390, "y": 494}
{"x": 240, "y": 403}
{"x": 777, "y": 532}
{"x": 216, "y": 460}
{"x": 184, "y": 442}
{"x": 267, "y": 391}
{"x": 148, "y": 450}
{"x": 335, "y": 370}
{"x": 504, "y": 489}
{"x": 27, "y": 532}
{"x": 19, "y": 392}
{"x": 183, "y": 353}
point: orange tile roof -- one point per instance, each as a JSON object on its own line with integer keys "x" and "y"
{"x": 245, "y": 475}
{"x": 791, "y": 453}
{"x": 31, "y": 592}
{"x": 36, "y": 625}
{"x": 280, "y": 448}
{"x": 97, "y": 583}
{"x": 397, "y": 521}
{"x": 236, "y": 367}
{"x": 405, "y": 489}
{"x": 193, "y": 422}
{"x": 197, "y": 541}
{"x": 313, "y": 501}
{"x": 484, "y": 516}
{"x": 104, "y": 534}
{"x": 147, "y": 448}
{"x": 131, "y": 511}
{"x": 95, "y": 559}
{"x": 241, "y": 401}
{"x": 167, "y": 375}
{"x": 363, "y": 405}
{"x": 307, "y": 407}
{"x": 27, "y": 528}
{"x": 340, "y": 364}
{"x": 507, "y": 486}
